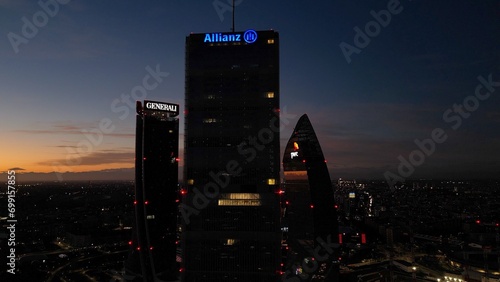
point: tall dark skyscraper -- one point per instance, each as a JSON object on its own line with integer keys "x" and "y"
{"x": 232, "y": 211}
{"x": 303, "y": 160}
{"x": 153, "y": 246}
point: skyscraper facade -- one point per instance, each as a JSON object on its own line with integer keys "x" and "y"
{"x": 304, "y": 160}
{"x": 153, "y": 252}
{"x": 231, "y": 210}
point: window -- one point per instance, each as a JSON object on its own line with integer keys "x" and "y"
{"x": 240, "y": 199}
{"x": 209, "y": 120}
{"x": 270, "y": 41}
{"x": 270, "y": 95}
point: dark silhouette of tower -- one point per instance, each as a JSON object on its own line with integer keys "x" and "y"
{"x": 231, "y": 210}
{"x": 153, "y": 246}
{"x": 303, "y": 160}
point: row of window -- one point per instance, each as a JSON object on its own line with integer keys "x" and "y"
{"x": 269, "y": 41}
{"x": 268, "y": 95}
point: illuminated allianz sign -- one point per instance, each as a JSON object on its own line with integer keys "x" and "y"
{"x": 249, "y": 36}
{"x": 159, "y": 106}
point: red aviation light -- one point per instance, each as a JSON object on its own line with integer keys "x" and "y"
{"x": 135, "y": 202}
{"x": 183, "y": 192}
{"x": 181, "y": 269}
{"x": 146, "y": 202}
{"x": 151, "y": 248}
{"x": 311, "y": 206}
{"x": 144, "y": 158}
{"x": 138, "y": 248}
{"x": 177, "y": 159}
{"x": 130, "y": 242}
{"x": 478, "y": 221}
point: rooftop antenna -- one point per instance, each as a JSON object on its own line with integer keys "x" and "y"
{"x": 233, "y": 18}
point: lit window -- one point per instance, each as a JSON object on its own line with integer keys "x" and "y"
{"x": 270, "y": 95}
{"x": 240, "y": 199}
{"x": 190, "y": 181}
{"x": 152, "y": 216}
{"x": 271, "y": 181}
{"x": 210, "y": 120}
{"x": 210, "y": 97}
{"x": 270, "y": 41}
{"x": 231, "y": 242}
{"x": 240, "y": 196}
{"x": 247, "y": 203}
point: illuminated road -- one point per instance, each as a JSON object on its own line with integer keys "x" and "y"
{"x": 56, "y": 272}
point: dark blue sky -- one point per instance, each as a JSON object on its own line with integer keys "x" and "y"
{"x": 428, "y": 57}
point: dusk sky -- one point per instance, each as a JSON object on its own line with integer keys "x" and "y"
{"x": 433, "y": 66}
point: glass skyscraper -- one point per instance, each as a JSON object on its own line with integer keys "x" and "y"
{"x": 153, "y": 247}
{"x": 232, "y": 158}
{"x": 310, "y": 191}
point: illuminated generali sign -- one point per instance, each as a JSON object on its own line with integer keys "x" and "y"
{"x": 160, "y": 106}
{"x": 249, "y": 36}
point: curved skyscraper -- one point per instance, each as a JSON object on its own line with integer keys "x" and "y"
{"x": 153, "y": 246}
{"x": 310, "y": 190}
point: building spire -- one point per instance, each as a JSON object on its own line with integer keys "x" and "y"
{"x": 232, "y": 29}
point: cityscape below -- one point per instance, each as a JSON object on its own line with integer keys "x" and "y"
{"x": 253, "y": 155}
{"x": 423, "y": 230}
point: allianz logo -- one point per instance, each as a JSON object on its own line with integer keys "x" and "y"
{"x": 249, "y": 36}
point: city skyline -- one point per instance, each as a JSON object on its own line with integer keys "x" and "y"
{"x": 376, "y": 79}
